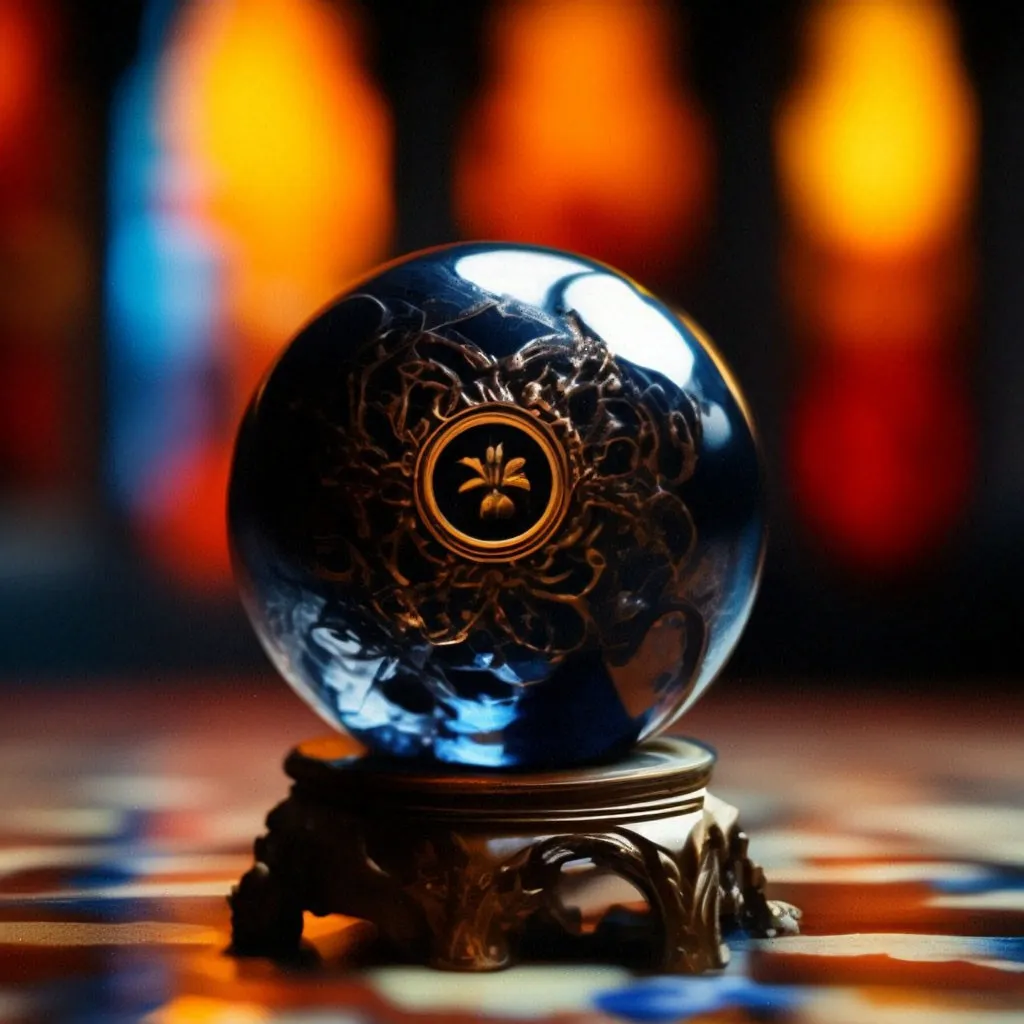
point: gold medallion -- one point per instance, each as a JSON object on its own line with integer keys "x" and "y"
{"x": 491, "y": 484}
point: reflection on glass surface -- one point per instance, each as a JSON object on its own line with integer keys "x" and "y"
{"x": 527, "y": 275}
{"x": 645, "y": 333}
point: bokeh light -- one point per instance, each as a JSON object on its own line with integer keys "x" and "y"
{"x": 876, "y": 153}
{"x": 44, "y": 270}
{"x": 846, "y": 302}
{"x": 585, "y": 138}
{"x": 882, "y": 451}
{"x": 251, "y": 179}
{"x": 877, "y": 141}
{"x": 26, "y": 31}
{"x": 270, "y": 102}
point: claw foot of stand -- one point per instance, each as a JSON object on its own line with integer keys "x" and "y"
{"x": 465, "y": 872}
{"x": 266, "y": 916}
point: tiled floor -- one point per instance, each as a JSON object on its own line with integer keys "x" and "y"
{"x": 126, "y": 813}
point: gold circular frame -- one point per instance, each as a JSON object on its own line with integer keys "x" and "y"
{"x": 458, "y": 540}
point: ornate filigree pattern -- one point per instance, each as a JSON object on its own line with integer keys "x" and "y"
{"x": 681, "y": 891}
{"x": 621, "y": 552}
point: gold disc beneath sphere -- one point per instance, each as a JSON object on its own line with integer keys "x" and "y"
{"x": 492, "y": 484}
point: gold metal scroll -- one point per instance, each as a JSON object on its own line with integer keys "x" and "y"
{"x": 476, "y": 548}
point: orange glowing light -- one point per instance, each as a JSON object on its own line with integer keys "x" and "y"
{"x": 195, "y": 1009}
{"x": 877, "y": 142}
{"x": 289, "y": 146}
{"x": 881, "y": 453}
{"x": 584, "y": 138}
{"x": 896, "y": 303}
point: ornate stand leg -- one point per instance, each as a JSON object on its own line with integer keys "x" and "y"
{"x": 744, "y": 903}
{"x": 266, "y": 910}
{"x": 473, "y": 902}
{"x": 452, "y": 870}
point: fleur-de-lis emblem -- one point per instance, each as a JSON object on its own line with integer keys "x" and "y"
{"x": 496, "y": 475}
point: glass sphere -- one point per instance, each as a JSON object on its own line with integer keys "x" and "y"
{"x": 498, "y": 506}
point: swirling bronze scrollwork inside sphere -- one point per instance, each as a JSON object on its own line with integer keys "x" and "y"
{"x": 498, "y": 506}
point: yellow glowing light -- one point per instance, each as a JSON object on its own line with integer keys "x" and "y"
{"x": 877, "y": 141}
{"x": 206, "y": 1010}
{"x": 584, "y": 139}
{"x": 290, "y": 143}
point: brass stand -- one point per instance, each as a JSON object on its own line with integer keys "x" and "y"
{"x": 474, "y": 871}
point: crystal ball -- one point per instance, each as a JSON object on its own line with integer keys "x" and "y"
{"x": 498, "y": 506}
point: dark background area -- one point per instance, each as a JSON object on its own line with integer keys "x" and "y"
{"x": 80, "y": 595}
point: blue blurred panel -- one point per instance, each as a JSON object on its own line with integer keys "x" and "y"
{"x": 161, "y": 289}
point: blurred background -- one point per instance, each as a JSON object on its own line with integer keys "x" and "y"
{"x": 833, "y": 190}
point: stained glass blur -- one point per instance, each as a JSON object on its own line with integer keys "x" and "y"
{"x": 876, "y": 153}
{"x": 251, "y": 178}
{"x": 585, "y": 136}
{"x": 44, "y": 268}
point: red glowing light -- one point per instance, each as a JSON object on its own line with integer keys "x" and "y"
{"x": 881, "y": 453}
{"x": 186, "y": 533}
{"x": 26, "y": 37}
